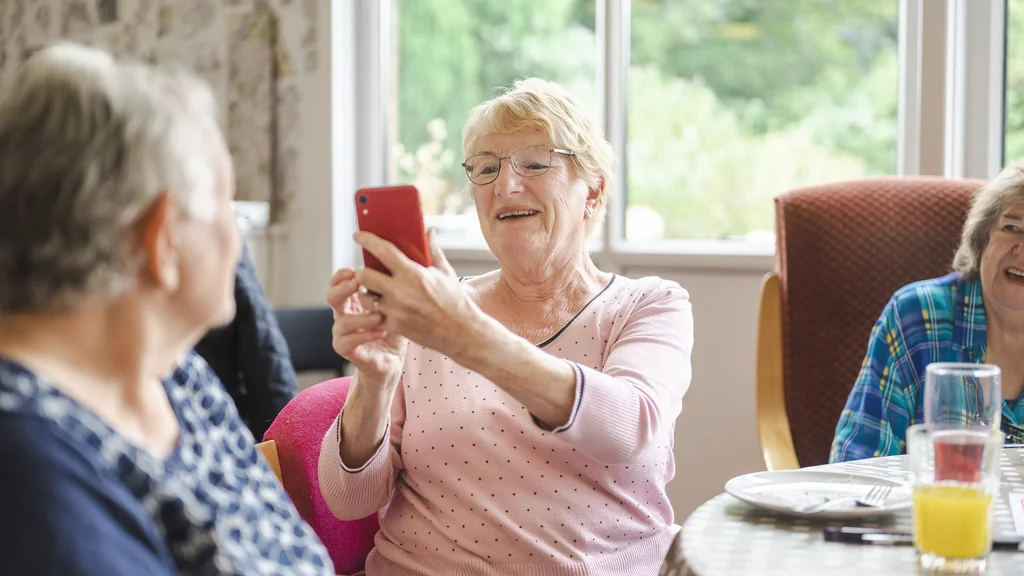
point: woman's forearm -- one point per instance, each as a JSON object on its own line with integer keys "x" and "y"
{"x": 546, "y": 385}
{"x": 364, "y": 419}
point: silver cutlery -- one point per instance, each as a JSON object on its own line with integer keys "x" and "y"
{"x": 873, "y": 499}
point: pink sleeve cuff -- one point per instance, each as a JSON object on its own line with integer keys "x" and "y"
{"x": 353, "y": 493}
{"x": 575, "y": 405}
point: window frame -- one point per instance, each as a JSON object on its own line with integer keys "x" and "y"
{"x": 949, "y": 121}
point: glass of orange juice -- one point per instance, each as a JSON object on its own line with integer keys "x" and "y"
{"x": 954, "y": 471}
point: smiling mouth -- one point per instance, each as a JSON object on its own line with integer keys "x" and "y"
{"x": 517, "y": 214}
{"x": 1015, "y": 274}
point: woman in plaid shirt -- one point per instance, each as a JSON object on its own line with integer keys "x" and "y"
{"x": 975, "y": 314}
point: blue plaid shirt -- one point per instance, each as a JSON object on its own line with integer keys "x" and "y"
{"x": 939, "y": 320}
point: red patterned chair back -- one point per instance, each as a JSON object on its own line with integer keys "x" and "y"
{"x": 843, "y": 249}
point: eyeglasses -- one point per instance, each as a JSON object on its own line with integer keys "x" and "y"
{"x": 527, "y": 162}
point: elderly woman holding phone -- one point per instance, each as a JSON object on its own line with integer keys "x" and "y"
{"x": 521, "y": 421}
{"x": 974, "y": 315}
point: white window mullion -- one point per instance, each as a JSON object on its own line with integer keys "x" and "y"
{"x": 344, "y": 139}
{"x": 995, "y": 118}
{"x": 388, "y": 82}
{"x": 934, "y": 78}
{"x": 908, "y": 141}
{"x": 974, "y": 147}
{"x": 956, "y": 87}
{"x": 361, "y": 85}
{"x": 613, "y": 81}
{"x": 374, "y": 89}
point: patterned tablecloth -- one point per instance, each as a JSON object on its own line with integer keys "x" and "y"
{"x": 726, "y": 537}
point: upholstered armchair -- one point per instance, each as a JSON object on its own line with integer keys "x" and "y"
{"x": 292, "y": 447}
{"x": 842, "y": 250}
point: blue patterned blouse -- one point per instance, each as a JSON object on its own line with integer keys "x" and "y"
{"x": 80, "y": 499}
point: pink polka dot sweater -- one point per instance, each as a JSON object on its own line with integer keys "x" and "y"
{"x": 470, "y": 483}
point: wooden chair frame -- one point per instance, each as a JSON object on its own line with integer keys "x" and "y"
{"x": 772, "y": 418}
{"x": 269, "y": 451}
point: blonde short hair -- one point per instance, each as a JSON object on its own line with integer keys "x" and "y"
{"x": 533, "y": 102}
{"x": 988, "y": 204}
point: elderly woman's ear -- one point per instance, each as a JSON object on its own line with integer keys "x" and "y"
{"x": 158, "y": 242}
{"x": 593, "y": 198}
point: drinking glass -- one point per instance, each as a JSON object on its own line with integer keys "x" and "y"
{"x": 954, "y": 472}
{"x": 968, "y": 395}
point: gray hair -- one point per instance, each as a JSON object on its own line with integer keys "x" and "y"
{"x": 87, "y": 144}
{"x": 988, "y": 204}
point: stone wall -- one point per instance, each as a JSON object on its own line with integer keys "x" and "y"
{"x": 254, "y": 53}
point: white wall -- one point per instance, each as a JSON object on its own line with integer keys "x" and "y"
{"x": 301, "y": 254}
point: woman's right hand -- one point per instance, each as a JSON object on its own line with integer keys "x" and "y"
{"x": 358, "y": 333}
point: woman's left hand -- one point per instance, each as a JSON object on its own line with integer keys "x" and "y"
{"x": 426, "y": 305}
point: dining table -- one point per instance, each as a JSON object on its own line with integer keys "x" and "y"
{"x": 728, "y": 537}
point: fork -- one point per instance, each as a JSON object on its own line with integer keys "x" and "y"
{"x": 873, "y": 499}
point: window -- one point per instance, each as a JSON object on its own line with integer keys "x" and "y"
{"x": 722, "y": 104}
{"x": 1014, "y": 110}
{"x": 732, "y": 102}
{"x": 453, "y": 54}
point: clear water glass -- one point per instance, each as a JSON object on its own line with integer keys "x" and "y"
{"x": 962, "y": 394}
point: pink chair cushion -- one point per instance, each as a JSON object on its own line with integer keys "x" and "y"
{"x": 298, "y": 431}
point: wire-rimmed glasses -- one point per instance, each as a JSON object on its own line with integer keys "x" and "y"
{"x": 527, "y": 162}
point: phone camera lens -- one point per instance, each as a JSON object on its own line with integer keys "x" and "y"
{"x": 362, "y": 199}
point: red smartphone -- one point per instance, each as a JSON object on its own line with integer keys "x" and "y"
{"x": 394, "y": 214}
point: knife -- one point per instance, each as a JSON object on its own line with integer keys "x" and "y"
{"x": 859, "y": 535}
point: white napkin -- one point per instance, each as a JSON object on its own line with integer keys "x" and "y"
{"x": 1017, "y": 509}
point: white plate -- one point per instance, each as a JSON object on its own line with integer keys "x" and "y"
{"x": 788, "y": 491}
